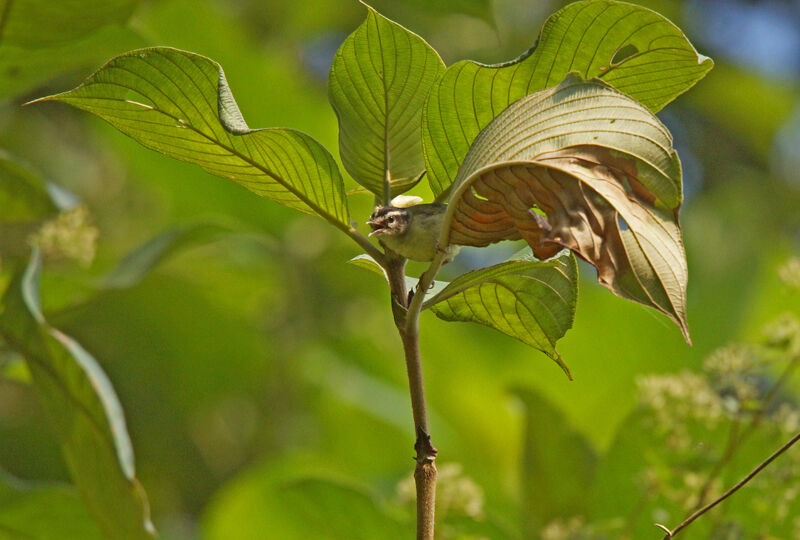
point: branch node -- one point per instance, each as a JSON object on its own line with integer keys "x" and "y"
{"x": 426, "y": 452}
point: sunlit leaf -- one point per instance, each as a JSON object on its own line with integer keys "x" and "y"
{"x": 42, "y": 511}
{"x": 585, "y": 167}
{"x": 84, "y": 411}
{"x": 557, "y": 465}
{"x": 630, "y": 47}
{"x": 378, "y": 83}
{"x": 141, "y": 261}
{"x": 179, "y": 103}
{"x": 530, "y": 300}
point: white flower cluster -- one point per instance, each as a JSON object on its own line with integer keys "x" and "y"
{"x": 69, "y": 236}
{"x": 676, "y": 399}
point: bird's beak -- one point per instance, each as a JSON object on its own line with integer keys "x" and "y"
{"x": 377, "y": 228}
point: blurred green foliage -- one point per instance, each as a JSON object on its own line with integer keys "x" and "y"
{"x": 262, "y": 383}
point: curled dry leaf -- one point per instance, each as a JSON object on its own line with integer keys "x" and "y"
{"x": 585, "y": 167}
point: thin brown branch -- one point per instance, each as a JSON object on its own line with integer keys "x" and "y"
{"x": 740, "y": 484}
{"x": 407, "y": 321}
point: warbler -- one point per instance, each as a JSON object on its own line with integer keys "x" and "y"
{"x": 411, "y": 231}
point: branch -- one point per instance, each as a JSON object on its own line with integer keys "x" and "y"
{"x": 422, "y": 287}
{"x": 741, "y": 483}
{"x": 407, "y": 321}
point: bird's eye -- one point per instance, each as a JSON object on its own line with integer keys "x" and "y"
{"x": 390, "y": 220}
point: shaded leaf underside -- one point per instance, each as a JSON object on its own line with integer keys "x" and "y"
{"x": 532, "y": 301}
{"x": 636, "y": 50}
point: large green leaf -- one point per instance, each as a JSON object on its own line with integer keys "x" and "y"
{"x": 42, "y": 512}
{"x": 530, "y": 300}
{"x": 83, "y": 409}
{"x": 585, "y": 167}
{"x": 379, "y": 80}
{"x": 630, "y": 47}
{"x": 178, "y": 103}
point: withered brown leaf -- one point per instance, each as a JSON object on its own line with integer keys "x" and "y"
{"x": 585, "y": 167}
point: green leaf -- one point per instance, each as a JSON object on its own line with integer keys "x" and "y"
{"x": 558, "y": 465}
{"x": 585, "y": 167}
{"x": 378, "y": 83}
{"x": 142, "y": 260}
{"x": 42, "y": 23}
{"x": 530, "y": 300}
{"x": 84, "y": 411}
{"x": 43, "y": 511}
{"x": 632, "y": 48}
{"x": 178, "y": 103}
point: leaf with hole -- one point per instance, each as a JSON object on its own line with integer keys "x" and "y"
{"x": 636, "y": 50}
{"x": 585, "y": 167}
{"x": 378, "y": 83}
{"x": 179, "y": 103}
{"x": 83, "y": 410}
{"x": 533, "y": 301}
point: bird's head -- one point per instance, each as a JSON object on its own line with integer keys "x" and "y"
{"x": 389, "y": 221}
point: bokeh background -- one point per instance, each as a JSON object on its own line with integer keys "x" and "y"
{"x": 255, "y": 359}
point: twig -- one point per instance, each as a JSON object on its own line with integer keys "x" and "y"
{"x": 407, "y": 322}
{"x": 741, "y": 483}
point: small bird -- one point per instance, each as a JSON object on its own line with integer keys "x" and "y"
{"x": 412, "y": 231}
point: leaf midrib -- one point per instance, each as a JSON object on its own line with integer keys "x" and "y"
{"x": 233, "y": 151}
